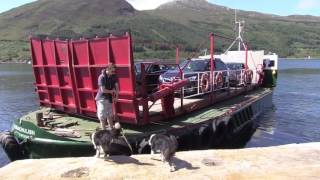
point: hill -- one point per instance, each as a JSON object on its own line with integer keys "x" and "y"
{"x": 291, "y": 36}
{"x": 186, "y": 23}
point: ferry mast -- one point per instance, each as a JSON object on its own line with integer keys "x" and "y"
{"x": 239, "y": 25}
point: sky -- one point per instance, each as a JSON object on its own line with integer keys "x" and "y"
{"x": 278, "y": 7}
{"x": 6, "y": 5}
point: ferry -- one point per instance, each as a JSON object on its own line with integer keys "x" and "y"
{"x": 66, "y": 73}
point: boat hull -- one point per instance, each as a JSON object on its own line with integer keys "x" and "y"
{"x": 230, "y": 129}
{"x": 270, "y": 78}
{"x": 37, "y": 143}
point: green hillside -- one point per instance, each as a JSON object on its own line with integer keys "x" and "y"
{"x": 183, "y": 23}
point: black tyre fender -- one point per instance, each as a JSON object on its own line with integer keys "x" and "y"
{"x": 221, "y": 132}
{"x": 11, "y": 146}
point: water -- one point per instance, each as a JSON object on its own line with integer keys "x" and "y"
{"x": 293, "y": 119}
{"x": 295, "y": 116}
{"x": 17, "y": 96}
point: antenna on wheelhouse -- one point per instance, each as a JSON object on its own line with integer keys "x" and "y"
{"x": 239, "y": 26}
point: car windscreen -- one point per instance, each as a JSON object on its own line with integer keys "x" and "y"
{"x": 194, "y": 66}
{"x": 235, "y": 66}
{"x": 138, "y": 67}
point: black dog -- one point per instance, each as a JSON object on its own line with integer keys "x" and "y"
{"x": 166, "y": 145}
{"x": 111, "y": 142}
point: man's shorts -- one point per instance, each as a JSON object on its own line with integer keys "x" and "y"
{"x": 104, "y": 109}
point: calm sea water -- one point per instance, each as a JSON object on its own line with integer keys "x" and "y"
{"x": 17, "y": 96}
{"x": 293, "y": 119}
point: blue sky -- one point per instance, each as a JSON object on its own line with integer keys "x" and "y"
{"x": 5, "y": 5}
{"x": 279, "y": 7}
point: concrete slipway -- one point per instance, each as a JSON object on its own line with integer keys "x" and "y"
{"x": 294, "y": 161}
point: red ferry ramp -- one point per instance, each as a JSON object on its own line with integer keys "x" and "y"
{"x": 66, "y": 74}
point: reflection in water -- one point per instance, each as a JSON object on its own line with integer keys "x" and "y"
{"x": 270, "y": 132}
{"x": 267, "y": 122}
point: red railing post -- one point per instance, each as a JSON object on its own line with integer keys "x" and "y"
{"x": 177, "y": 55}
{"x": 246, "y": 47}
{"x": 212, "y": 66}
{"x": 212, "y": 59}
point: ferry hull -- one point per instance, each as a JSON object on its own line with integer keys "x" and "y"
{"x": 270, "y": 78}
{"x": 224, "y": 131}
{"x": 37, "y": 143}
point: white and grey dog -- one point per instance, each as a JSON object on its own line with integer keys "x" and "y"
{"x": 110, "y": 142}
{"x": 166, "y": 146}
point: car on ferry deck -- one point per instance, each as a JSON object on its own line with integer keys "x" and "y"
{"x": 152, "y": 72}
{"x": 236, "y": 71}
{"x": 195, "y": 71}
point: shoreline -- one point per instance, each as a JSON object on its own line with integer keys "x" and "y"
{"x": 139, "y": 60}
{"x": 16, "y": 62}
{"x": 304, "y": 59}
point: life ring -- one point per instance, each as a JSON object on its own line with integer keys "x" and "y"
{"x": 204, "y": 82}
{"x": 248, "y": 77}
{"x": 219, "y": 81}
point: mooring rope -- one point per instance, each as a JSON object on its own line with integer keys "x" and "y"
{"x": 123, "y": 135}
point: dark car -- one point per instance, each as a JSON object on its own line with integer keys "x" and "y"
{"x": 197, "y": 71}
{"x": 236, "y": 71}
{"x": 152, "y": 73}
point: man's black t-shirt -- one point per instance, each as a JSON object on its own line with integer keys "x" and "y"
{"x": 108, "y": 82}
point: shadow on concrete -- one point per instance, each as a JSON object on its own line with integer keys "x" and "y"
{"x": 76, "y": 173}
{"x": 126, "y": 160}
{"x": 181, "y": 164}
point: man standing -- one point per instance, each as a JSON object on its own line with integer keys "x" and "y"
{"x": 108, "y": 92}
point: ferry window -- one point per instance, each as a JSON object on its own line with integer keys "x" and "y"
{"x": 271, "y": 64}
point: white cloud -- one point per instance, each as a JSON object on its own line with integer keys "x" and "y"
{"x": 308, "y": 4}
{"x": 147, "y": 4}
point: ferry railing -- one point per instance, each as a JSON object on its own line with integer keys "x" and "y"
{"x": 225, "y": 80}
{"x": 197, "y": 88}
{"x": 239, "y": 77}
{"x": 236, "y": 77}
